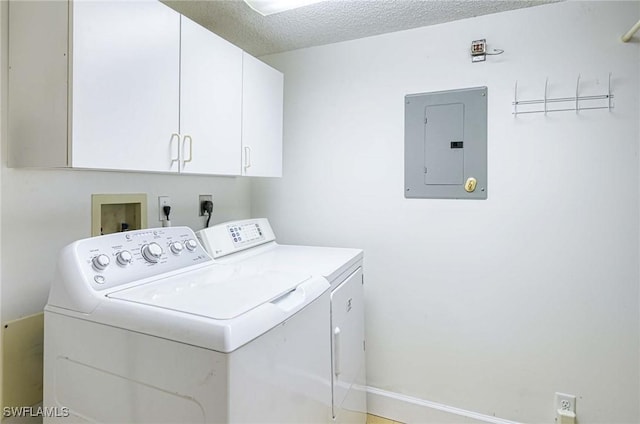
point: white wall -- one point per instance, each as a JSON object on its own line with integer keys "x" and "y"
{"x": 43, "y": 210}
{"x": 490, "y": 306}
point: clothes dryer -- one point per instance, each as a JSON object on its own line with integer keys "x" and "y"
{"x": 252, "y": 243}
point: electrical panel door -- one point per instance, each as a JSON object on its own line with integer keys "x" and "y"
{"x": 443, "y": 144}
{"x": 446, "y": 144}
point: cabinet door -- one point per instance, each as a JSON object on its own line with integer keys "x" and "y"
{"x": 210, "y": 102}
{"x": 125, "y": 96}
{"x": 262, "y": 102}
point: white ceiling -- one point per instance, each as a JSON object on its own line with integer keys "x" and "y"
{"x": 330, "y": 21}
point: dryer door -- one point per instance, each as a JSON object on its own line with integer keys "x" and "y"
{"x": 347, "y": 349}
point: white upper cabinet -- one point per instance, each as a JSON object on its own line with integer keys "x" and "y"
{"x": 262, "y": 106}
{"x": 132, "y": 85}
{"x": 94, "y": 85}
{"x": 126, "y": 76}
{"x": 210, "y": 102}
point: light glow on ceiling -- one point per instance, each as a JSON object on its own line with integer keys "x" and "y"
{"x": 270, "y": 7}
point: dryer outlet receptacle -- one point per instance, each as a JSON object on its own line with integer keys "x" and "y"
{"x": 201, "y": 199}
{"x": 162, "y": 202}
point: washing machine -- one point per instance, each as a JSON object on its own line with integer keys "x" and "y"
{"x": 253, "y": 244}
{"x": 143, "y": 326}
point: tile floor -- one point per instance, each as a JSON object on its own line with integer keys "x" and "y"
{"x": 374, "y": 419}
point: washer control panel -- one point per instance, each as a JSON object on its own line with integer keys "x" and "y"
{"x": 121, "y": 258}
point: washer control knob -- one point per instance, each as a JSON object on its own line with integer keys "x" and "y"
{"x": 176, "y": 247}
{"x": 191, "y": 244}
{"x": 151, "y": 252}
{"x": 124, "y": 258}
{"x": 101, "y": 262}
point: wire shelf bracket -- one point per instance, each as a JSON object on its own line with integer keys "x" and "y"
{"x": 578, "y": 102}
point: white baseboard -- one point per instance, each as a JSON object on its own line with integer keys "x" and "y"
{"x": 407, "y": 409}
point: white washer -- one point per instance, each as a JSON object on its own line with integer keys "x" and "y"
{"x": 143, "y": 326}
{"x": 252, "y": 243}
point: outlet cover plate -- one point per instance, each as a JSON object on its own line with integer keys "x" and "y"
{"x": 565, "y": 402}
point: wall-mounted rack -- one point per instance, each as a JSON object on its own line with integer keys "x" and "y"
{"x": 578, "y": 102}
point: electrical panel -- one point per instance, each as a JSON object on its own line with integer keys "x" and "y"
{"x": 446, "y": 144}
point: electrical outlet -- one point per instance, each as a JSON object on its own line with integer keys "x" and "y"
{"x": 478, "y": 47}
{"x": 203, "y": 198}
{"x": 478, "y": 50}
{"x": 565, "y": 402}
{"x": 162, "y": 202}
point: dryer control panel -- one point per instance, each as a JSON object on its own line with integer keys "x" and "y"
{"x": 231, "y": 237}
{"x": 244, "y": 233}
{"x": 121, "y": 258}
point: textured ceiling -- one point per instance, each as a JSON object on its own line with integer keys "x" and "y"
{"x": 329, "y": 21}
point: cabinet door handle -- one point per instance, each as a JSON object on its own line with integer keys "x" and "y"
{"x": 176, "y": 137}
{"x": 185, "y": 138}
{"x": 247, "y": 157}
{"x": 336, "y": 351}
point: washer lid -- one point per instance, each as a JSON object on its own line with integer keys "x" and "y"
{"x": 218, "y": 292}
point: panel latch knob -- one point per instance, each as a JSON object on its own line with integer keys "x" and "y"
{"x": 470, "y": 185}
